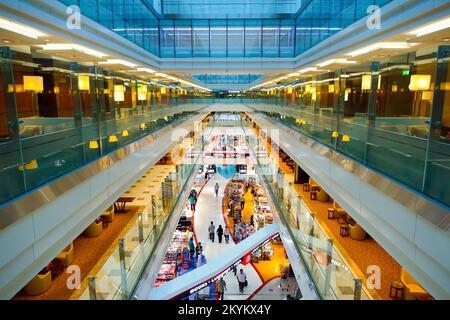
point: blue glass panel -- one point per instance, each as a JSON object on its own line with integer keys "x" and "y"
{"x": 167, "y": 38}
{"x": 271, "y": 38}
{"x": 235, "y": 38}
{"x": 253, "y": 38}
{"x": 200, "y": 41}
{"x": 287, "y": 38}
{"x": 183, "y": 38}
{"x": 218, "y": 38}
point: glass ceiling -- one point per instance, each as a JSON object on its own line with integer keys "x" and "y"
{"x": 229, "y": 9}
{"x": 244, "y": 29}
{"x": 227, "y": 78}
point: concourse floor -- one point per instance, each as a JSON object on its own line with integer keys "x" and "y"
{"x": 209, "y": 208}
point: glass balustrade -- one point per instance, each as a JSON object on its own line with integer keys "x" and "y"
{"x": 390, "y": 115}
{"x": 57, "y": 116}
{"x": 326, "y": 266}
{"x": 116, "y": 278}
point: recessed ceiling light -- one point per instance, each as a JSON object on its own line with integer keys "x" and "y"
{"x": 446, "y": 39}
{"x": 6, "y": 41}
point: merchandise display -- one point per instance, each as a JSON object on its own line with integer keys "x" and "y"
{"x": 177, "y": 260}
{"x": 263, "y": 253}
{"x": 235, "y": 190}
{"x": 242, "y": 231}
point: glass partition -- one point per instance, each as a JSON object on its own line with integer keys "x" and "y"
{"x": 390, "y": 115}
{"x": 56, "y": 116}
{"x": 119, "y": 274}
{"x": 262, "y": 33}
{"x": 327, "y": 268}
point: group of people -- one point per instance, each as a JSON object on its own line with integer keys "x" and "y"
{"x": 195, "y": 248}
{"x": 221, "y": 232}
{"x": 221, "y": 285}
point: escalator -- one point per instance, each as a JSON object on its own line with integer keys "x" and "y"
{"x": 196, "y": 282}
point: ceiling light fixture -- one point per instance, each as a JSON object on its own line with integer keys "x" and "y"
{"x": 146, "y": 70}
{"x": 119, "y": 61}
{"x": 70, "y": 46}
{"x": 332, "y": 61}
{"x": 436, "y": 26}
{"x": 20, "y": 29}
{"x": 381, "y": 45}
{"x": 307, "y": 70}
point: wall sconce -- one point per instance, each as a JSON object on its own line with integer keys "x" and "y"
{"x": 394, "y": 88}
{"x": 289, "y": 90}
{"x": 119, "y": 92}
{"x": 346, "y": 93}
{"x": 445, "y": 86}
{"x": 420, "y": 82}
{"x": 345, "y": 138}
{"x": 125, "y": 133}
{"x": 366, "y": 82}
{"x": 112, "y": 138}
{"x": 427, "y": 95}
{"x": 331, "y": 88}
{"x": 142, "y": 126}
{"x": 335, "y": 134}
{"x": 142, "y": 92}
{"x": 83, "y": 83}
{"x": 17, "y": 87}
{"x": 313, "y": 94}
{"x": 33, "y": 83}
{"x": 93, "y": 144}
{"x": 163, "y": 90}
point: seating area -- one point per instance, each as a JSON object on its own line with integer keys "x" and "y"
{"x": 285, "y": 158}
{"x": 412, "y": 289}
{"x": 50, "y": 282}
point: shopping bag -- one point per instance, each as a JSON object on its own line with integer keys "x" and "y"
{"x": 245, "y": 283}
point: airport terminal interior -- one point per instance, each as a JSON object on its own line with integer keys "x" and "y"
{"x": 220, "y": 150}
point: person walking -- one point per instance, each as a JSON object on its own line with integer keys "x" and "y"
{"x": 221, "y": 287}
{"x": 220, "y": 233}
{"x": 192, "y": 202}
{"x": 211, "y": 230}
{"x": 216, "y": 188}
{"x": 191, "y": 246}
{"x": 199, "y": 249}
{"x": 242, "y": 202}
{"x": 242, "y": 280}
{"x": 226, "y": 234}
{"x": 194, "y": 193}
